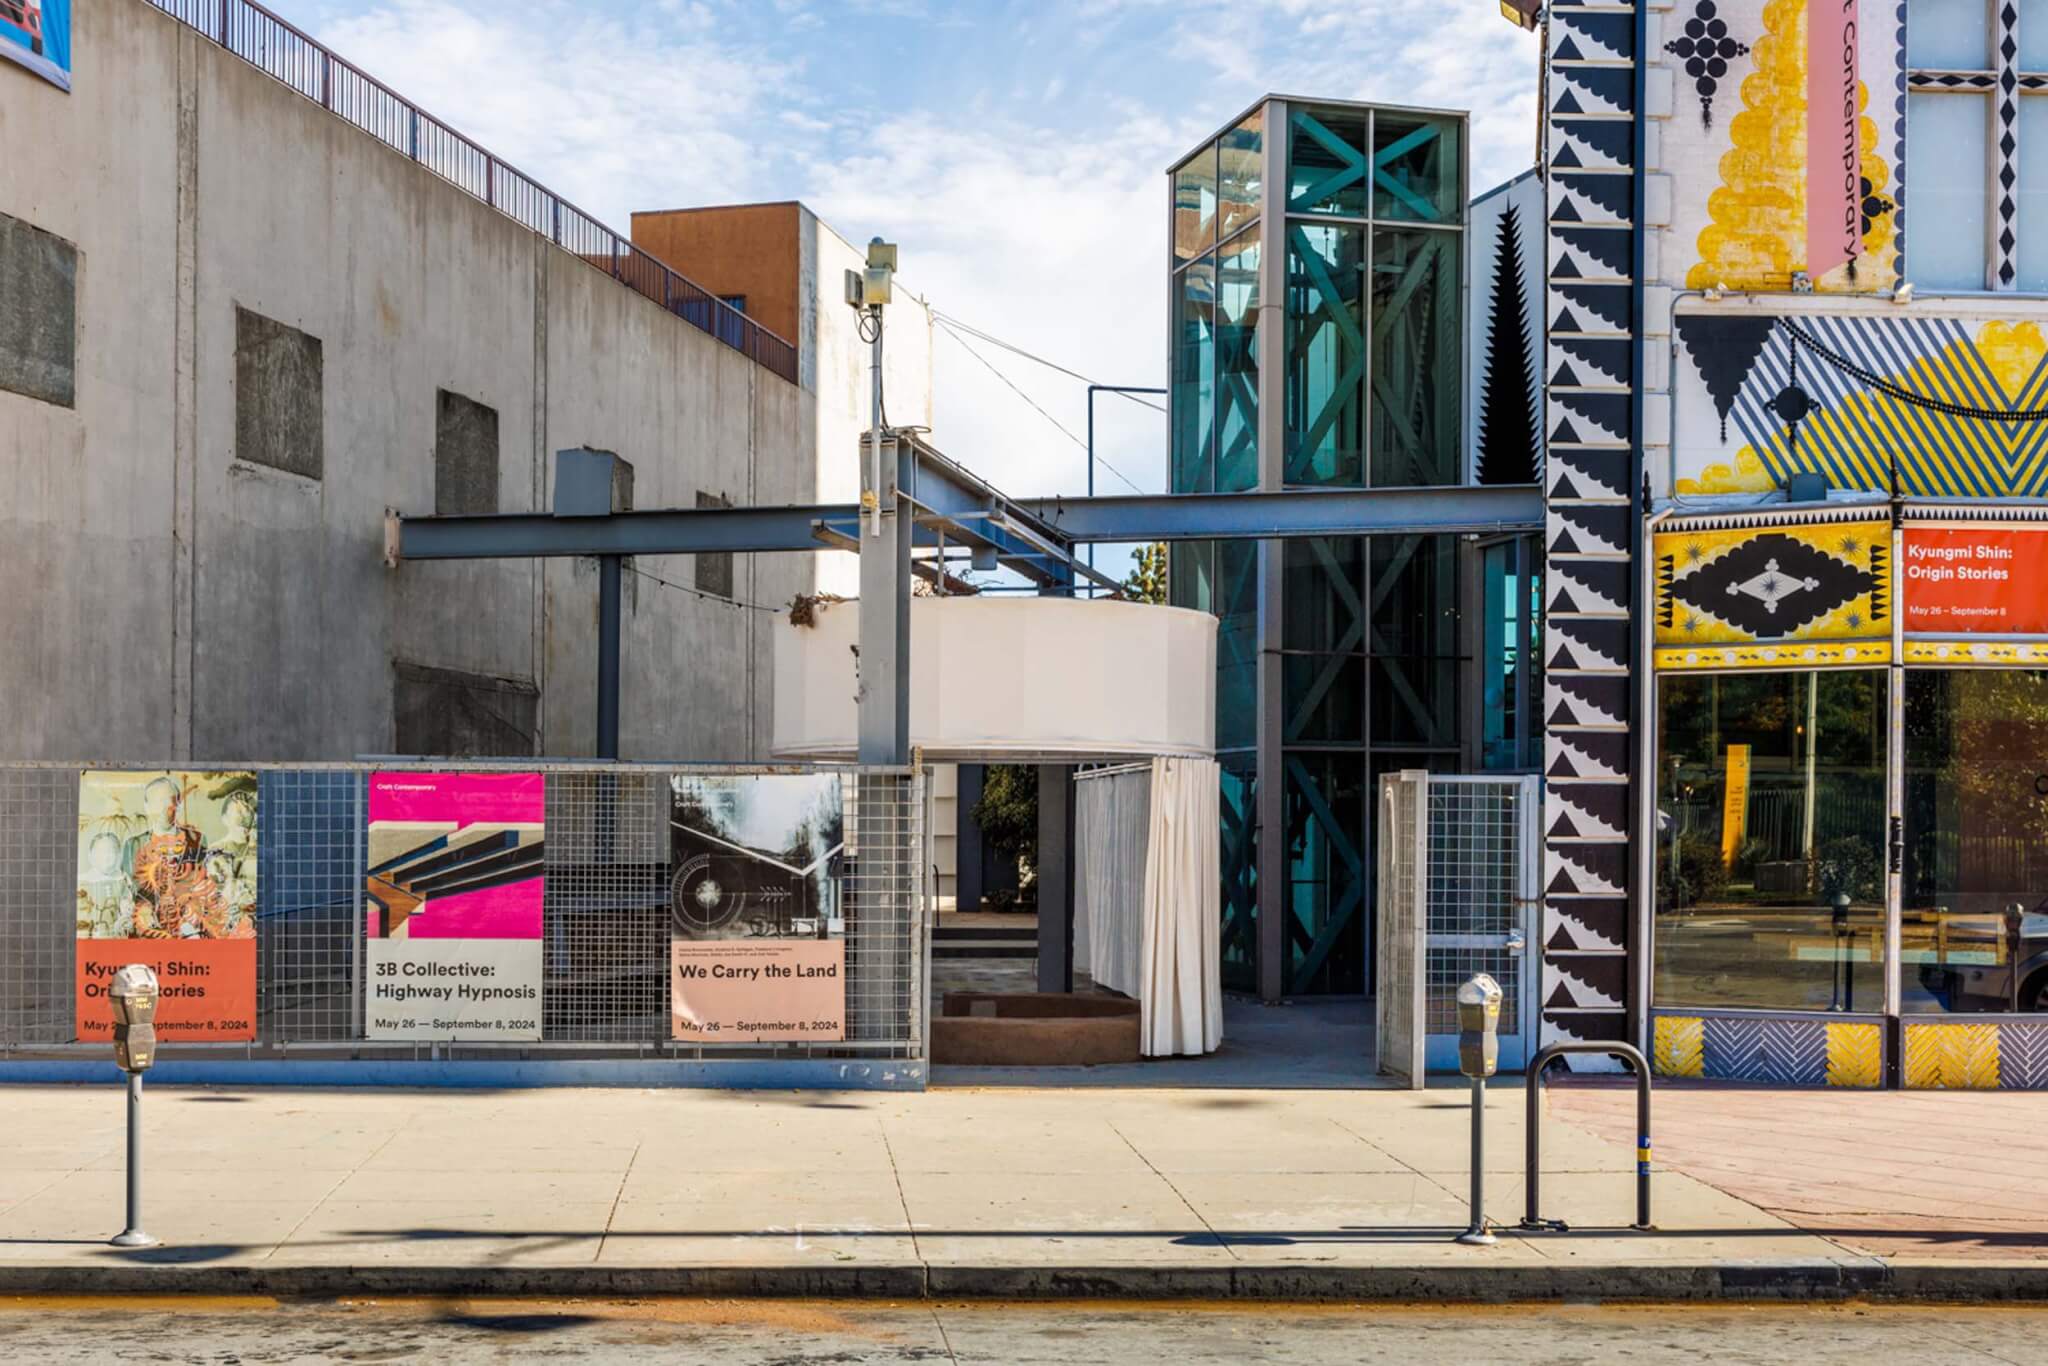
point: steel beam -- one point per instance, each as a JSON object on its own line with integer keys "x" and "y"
{"x": 674, "y": 532}
{"x": 1449, "y": 510}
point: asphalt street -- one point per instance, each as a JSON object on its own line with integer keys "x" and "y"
{"x": 217, "y": 1331}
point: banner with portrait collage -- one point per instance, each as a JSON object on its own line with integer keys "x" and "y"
{"x": 167, "y": 877}
{"x": 453, "y": 906}
{"x": 756, "y": 952}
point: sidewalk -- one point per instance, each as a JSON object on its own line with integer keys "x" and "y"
{"x": 1276, "y": 1194}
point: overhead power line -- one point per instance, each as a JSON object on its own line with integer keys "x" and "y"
{"x": 994, "y": 340}
{"x": 1035, "y": 407}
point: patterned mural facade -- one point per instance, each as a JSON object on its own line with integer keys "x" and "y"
{"x": 1591, "y": 358}
{"x": 1930, "y": 405}
{"x": 1983, "y": 1055}
{"x": 1768, "y": 590}
{"x": 1873, "y": 377}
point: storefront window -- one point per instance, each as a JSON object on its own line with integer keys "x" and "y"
{"x": 1771, "y": 819}
{"x": 1973, "y": 932}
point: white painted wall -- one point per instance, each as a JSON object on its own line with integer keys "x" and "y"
{"x": 1018, "y": 677}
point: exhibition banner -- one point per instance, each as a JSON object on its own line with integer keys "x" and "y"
{"x": 37, "y": 34}
{"x": 1834, "y": 144}
{"x": 758, "y": 990}
{"x": 454, "y": 905}
{"x": 755, "y": 952}
{"x": 167, "y": 877}
{"x": 1986, "y": 580}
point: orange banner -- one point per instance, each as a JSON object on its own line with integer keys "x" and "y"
{"x": 758, "y": 990}
{"x": 1976, "y": 580}
{"x": 209, "y": 987}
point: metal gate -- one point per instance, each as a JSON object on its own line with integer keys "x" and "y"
{"x": 1458, "y": 891}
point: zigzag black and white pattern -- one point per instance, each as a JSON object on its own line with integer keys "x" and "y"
{"x": 1590, "y": 587}
{"x": 1591, "y": 198}
{"x": 1582, "y": 473}
{"x": 1578, "y": 35}
{"x": 1590, "y": 422}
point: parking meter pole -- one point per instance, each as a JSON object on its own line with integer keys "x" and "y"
{"x": 132, "y": 997}
{"x": 1478, "y": 1055}
{"x": 1476, "y": 1234}
{"x": 132, "y": 1235}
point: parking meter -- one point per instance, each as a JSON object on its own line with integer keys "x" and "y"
{"x": 1479, "y": 1026}
{"x": 134, "y": 997}
{"x": 1478, "y": 1056}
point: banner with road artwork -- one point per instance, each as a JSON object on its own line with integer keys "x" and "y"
{"x": 167, "y": 877}
{"x": 453, "y": 905}
{"x": 37, "y": 34}
{"x": 755, "y": 953}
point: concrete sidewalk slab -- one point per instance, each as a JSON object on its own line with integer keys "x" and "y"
{"x": 997, "y": 1192}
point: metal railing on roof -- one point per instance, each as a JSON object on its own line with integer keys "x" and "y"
{"x": 253, "y": 33}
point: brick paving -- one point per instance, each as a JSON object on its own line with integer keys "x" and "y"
{"x": 1890, "y": 1173}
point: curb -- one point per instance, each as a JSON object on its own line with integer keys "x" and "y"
{"x": 1849, "y": 1278}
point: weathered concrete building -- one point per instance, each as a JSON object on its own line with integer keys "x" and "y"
{"x": 236, "y": 328}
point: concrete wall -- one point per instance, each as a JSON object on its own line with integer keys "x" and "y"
{"x": 170, "y": 599}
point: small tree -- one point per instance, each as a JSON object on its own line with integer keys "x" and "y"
{"x": 1008, "y": 812}
{"x": 1147, "y": 579}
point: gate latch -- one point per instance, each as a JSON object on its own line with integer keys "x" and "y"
{"x": 1517, "y": 941}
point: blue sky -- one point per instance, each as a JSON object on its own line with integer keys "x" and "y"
{"x": 1016, "y": 151}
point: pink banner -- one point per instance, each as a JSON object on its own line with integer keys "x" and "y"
{"x": 1834, "y": 155}
{"x": 456, "y": 855}
{"x": 460, "y": 798}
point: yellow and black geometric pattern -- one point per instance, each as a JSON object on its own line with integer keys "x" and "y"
{"x": 1742, "y": 592}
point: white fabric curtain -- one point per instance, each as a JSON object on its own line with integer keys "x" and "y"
{"x": 1181, "y": 991}
{"x": 1110, "y": 830}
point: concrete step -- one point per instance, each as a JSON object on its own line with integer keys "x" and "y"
{"x": 995, "y": 950}
{"x": 956, "y": 934}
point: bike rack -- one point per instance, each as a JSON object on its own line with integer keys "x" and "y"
{"x": 1532, "y": 1221}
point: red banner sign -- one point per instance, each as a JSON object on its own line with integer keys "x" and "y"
{"x": 1976, "y": 580}
{"x": 1834, "y": 148}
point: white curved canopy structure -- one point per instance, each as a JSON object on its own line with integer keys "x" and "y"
{"x": 1051, "y": 680}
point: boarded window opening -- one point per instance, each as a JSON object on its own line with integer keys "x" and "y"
{"x": 38, "y": 313}
{"x": 446, "y": 712}
{"x": 278, "y": 379}
{"x": 714, "y": 570}
{"x": 465, "y": 456}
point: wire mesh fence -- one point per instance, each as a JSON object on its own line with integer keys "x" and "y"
{"x": 1476, "y": 893}
{"x": 606, "y": 857}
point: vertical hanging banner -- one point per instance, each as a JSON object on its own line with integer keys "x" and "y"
{"x": 754, "y": 955}
{"x": 1834, "y": 146}
{"x": 1735, "y": 805}
{"x": 453, "y": 906}
{"x": 167, "y": 878}
{"x": 37, "y": 34}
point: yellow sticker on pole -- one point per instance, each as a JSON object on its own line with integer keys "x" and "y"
{"x": 1735, "y": 804}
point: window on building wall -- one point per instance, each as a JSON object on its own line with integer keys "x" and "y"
{"x": 278, "y": 404}
{"x": 1772, "y": 805}
{"x": 465, "y": 456}
{"x": 1976, "y": 181}
{"x": 1973, "y": 929}
{"x": 38, "y": 313}
{"x": 447, "y": 712}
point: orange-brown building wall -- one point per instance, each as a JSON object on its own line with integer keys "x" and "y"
{"x": 750, "y": 249}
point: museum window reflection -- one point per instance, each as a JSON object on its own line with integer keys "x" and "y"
{"x": 1771, "y": 818}
{"x": 1973, "y": 930}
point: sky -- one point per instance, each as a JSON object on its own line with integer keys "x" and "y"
{"x": 1016, "y": 150}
